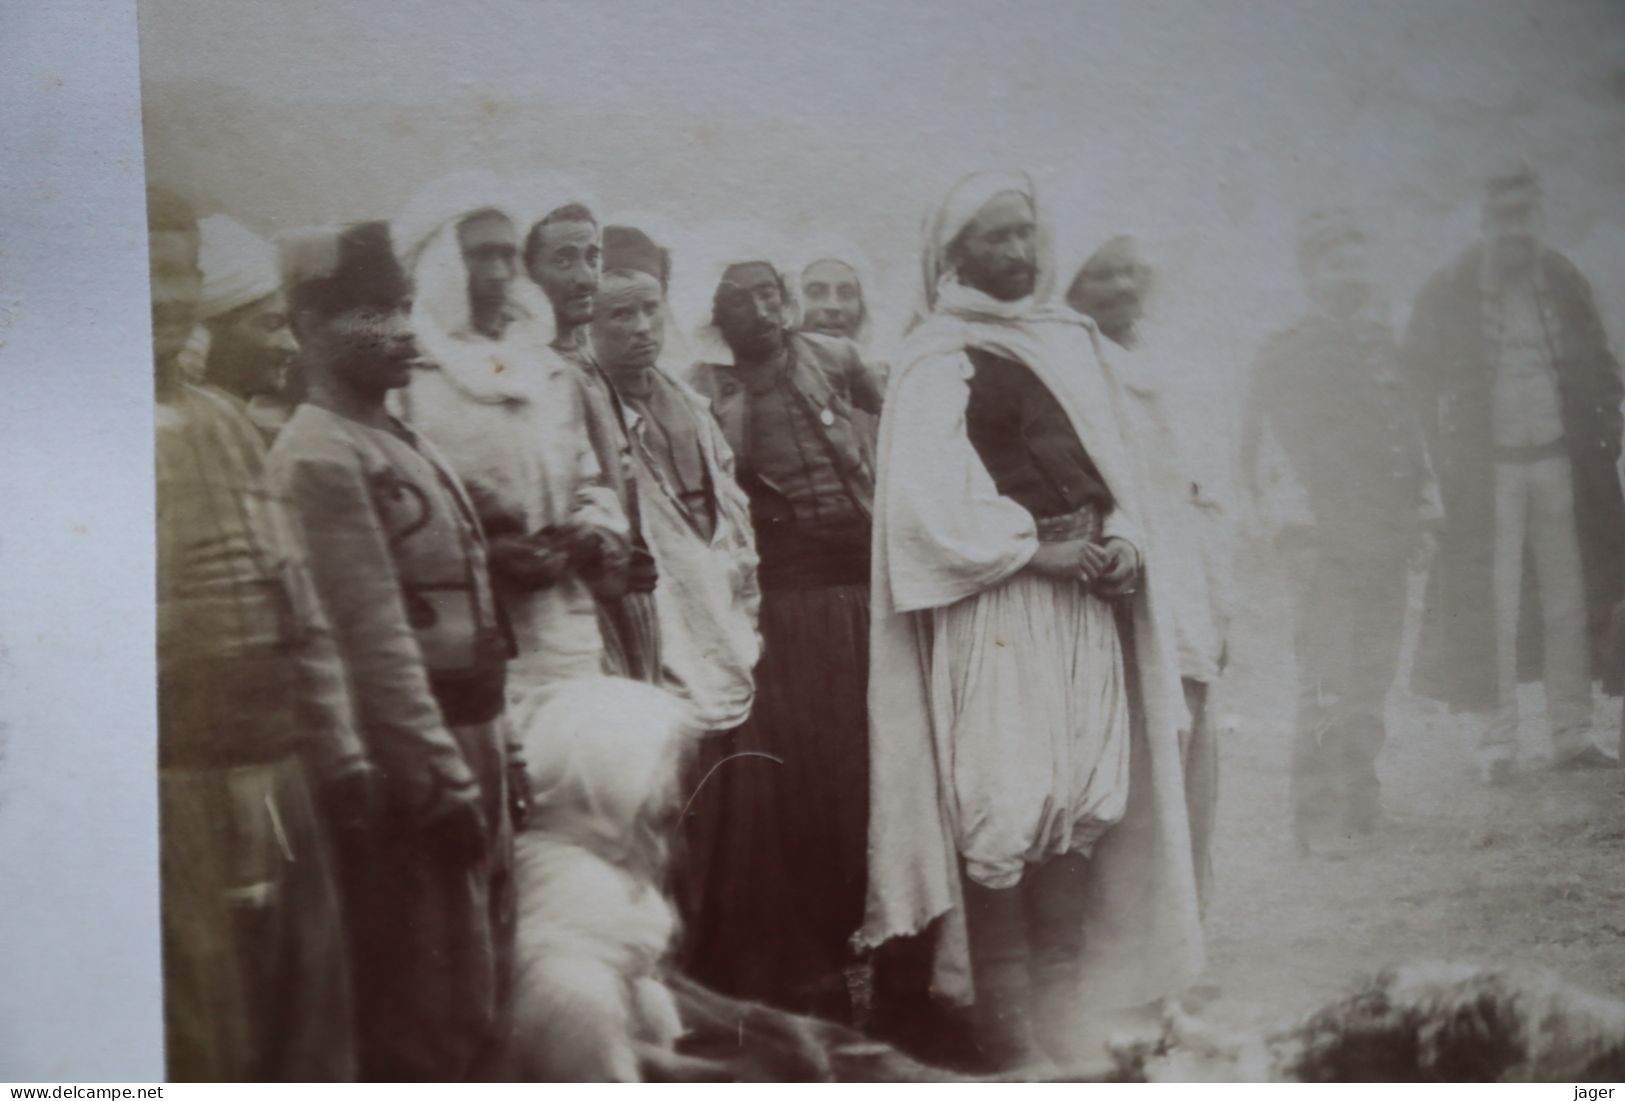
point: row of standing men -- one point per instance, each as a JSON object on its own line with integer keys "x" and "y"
{"x": 508, "y": 489}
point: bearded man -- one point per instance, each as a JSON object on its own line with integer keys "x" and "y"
{"x": 1520, "y": 398}
{"x": 401, "y": 562}
{"x": 786, "y": 875}
{"x": 1113, "y": 287}
{"x": 510, "y": 415}
{"x": 1019, "y": 673}
{"x": 251, "y": 350}
{"x": 255, "y": 734}
{"x": 563, "y": 256}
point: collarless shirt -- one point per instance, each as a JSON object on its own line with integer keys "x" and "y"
{"x": 1526, "y": 406}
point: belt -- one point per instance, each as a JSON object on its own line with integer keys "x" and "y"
{"x": 1086, "y": 523}
{"x": 1534, "y": 454}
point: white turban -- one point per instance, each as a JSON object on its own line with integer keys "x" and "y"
{"x": 832, "y": 246}
{"x": 239, "y": 266}
{"x": 950, "y": 217}
{"x": 425, "y": 240}
{"x": 598, "y": 750}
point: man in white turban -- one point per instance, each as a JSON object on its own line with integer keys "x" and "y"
{"x": 510, "y": 415}
{"x": 1019, "y": 674}
{"x": 250, "y": 349}
{"x": 1113, "y": 288}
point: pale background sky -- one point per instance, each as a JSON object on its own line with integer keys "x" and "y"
{"x": 1206, "y": 128}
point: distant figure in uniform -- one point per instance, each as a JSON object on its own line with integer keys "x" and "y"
{"x": 1520, "y": 397}
{"x": 1329, "y": 390}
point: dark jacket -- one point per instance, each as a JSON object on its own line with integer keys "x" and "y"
{"x": 838, "y": 393}
{"x": 1452, "y": 365}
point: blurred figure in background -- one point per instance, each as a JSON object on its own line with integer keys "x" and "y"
{"x": 255, "y": 734}
{"x": 1113, "y": 287}
{"x": 1520, "y": 397}
{"x": 250, "y": 349}
{"x": 398, "y": 556}
{"x": 778, "y": 824}
{"x": 1329, "y": 390}
{"x": 564, "y": 257}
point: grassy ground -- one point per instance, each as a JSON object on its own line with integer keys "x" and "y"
{"x": 1532, "y": 873}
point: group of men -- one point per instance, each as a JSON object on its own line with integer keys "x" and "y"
{"x": 1482, "y": 446}
{"x": 947, "y": 628}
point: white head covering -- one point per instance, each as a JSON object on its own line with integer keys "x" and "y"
{"x": 239, "y": 266}
{"x": 425, "y": 240}
{"x": 832, "y": 246}
{"x": 598, "y": 750}
{"x": 950, "y": 217}
{"x": 698, "y": 268}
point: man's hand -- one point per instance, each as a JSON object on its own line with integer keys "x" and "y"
{"x": 1072, "y": 560}
{"x": 600, "y": 559}
{"x": 1120, "y": 568}
{"x": 528, "y": 562}
{"x": 459, "y": 834}
{"x": 641, "y": 573}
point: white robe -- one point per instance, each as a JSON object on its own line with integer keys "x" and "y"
{"x": 943, "y": 533}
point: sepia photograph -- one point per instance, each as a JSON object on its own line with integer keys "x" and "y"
{"x": 888, "y": 542}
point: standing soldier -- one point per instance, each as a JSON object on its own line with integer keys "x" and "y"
{"x": 1330, "y": 390}
{"x": 402, "y": 566}
{"x": 1520, "y": 397}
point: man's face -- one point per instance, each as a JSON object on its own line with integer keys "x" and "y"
{"x": 369, "y": 349}
{"x": 177, "y": 284}
{"x": 252, "y": 348}
{"x": 749, "y": 309}
{"x": 997, "y": 253}
{"x": 832, "y": 299}
{"x": 491, "y": 256}
{"x": 627, "y": 325}
{"x": 1339, "y": 278}
{"x": 565, "y": 265}
{"x": 1111, "y": 292}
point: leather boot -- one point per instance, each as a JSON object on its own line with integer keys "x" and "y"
{"x": 996, "y": 921}
{"x": 1054, "y": 893}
